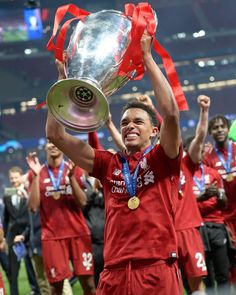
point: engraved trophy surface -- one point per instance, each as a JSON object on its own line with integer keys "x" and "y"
{"x": 95, "y": 52}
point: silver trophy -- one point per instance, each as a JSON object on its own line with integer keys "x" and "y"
{"x": 95, "y": 51}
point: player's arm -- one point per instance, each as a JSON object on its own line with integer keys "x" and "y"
{"x": 170, "y": 136}
{"x": 78, "y": 193}
{"x": 222, "y": 200}
{"x": 34, "y": 190}
{"x": 115, "y": 134}
{"x": 75, "y": 149}
{"x": 196, "y": 146}
{"x": 93, "y": 141}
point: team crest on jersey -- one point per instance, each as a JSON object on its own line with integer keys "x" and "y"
{"x": 53, "y": 272}
{"x": 46, "y": 180}
{"x": 182, "y": 178}
{"x": 143, "y": 164}
{"x": 116, "y": 172}
{"x": 218, "y": 164}
{"x": 207, "y": 179}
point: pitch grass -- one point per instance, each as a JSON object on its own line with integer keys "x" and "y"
{"x": 23, "y": 284}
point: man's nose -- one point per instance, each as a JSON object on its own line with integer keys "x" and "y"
{"x": 130, "y": 125}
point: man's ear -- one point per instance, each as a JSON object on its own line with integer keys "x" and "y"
{"x": 155, "y": 132}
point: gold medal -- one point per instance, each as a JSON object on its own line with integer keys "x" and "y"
{"x": 56, "y": 195}
{"x": 229, "y": 177}
{"x": 133, "y": 203}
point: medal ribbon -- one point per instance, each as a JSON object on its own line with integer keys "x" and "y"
{"x": 226, "y": 164}
{"x": 200, "y": 184}
{"x": 56, "y": 182}
{"x": 131, "y": 180}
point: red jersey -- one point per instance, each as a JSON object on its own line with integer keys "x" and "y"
{"x": 187, "y": 213}
{"x": 60, "y": 218}
{"x": 211, "y": 159}
{"x": 147, "y": 232}
{"x": 209, "y": 208}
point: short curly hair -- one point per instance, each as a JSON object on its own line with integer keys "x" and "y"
{"x": 217, "y": 118}
{"x": 135, "y": 104}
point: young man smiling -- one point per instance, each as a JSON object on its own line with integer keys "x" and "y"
{"x": 140, "y": 192}
{"x": 222, "y": 157}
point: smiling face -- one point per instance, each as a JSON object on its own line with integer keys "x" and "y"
{"x": 219, "y": 131}
{"x": 15, "y": 178}
{"x": 136, "y": 129}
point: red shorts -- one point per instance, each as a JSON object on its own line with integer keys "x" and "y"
{"x": 58, "y": 253}
{"x": 2, "y": 288}
{"x": 191, "y": 253}
{"x": 136, "y": 278}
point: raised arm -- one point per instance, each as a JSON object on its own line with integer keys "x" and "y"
{"x": 93, "y": 140}
{"x": 34, "y": 192}
{"x": 78, "y": 193}
{"x": 196, "y": 146}
{"x": 115, "y": 134}
{"x": 170, "y": 137}
{"x": 79, "y": 152}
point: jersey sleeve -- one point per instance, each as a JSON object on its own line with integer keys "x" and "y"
{"x": 93, "y": 140}
{"x": 101, "y": 164}
{"x": 218, "y": 178}
{"x": 78, "y": 172}
{"x": 192, "y": 167}
{"x": 208, "y": 206}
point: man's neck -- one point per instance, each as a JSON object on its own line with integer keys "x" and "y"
{"x": 131, "y": 151}
{"x": 222, "y": 145}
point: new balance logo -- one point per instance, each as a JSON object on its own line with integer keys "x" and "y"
{"x": 116, "y": 172}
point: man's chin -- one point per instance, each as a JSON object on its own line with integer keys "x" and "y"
{"x": 221, "y": 139}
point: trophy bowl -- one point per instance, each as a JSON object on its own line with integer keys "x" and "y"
{"x": 95, "y": 51}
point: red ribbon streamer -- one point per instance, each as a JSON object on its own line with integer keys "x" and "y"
{"x": 142, "y": 17}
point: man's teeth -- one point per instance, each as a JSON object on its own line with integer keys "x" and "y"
{"x": 132, "y": 135}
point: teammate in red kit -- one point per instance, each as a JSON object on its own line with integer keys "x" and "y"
{"x": 55, "y": 189}
{"x": 222, "y": 157}
{"x": 188, "y": 218}
{"x": 209, "y": 191}
{"x": 140, "y": 190}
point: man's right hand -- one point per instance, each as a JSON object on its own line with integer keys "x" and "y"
{"x": 61, "y": 66}
{"x": 145, "y": 99}
{"x": 204, "y": 101}
{"x": 33, "y": 163}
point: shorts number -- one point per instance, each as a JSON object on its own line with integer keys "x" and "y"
{"x": 200, "y": 261}
{"x": 87, "y": 263}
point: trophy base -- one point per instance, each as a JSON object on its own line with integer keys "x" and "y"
{"x": 79, "y": 105}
